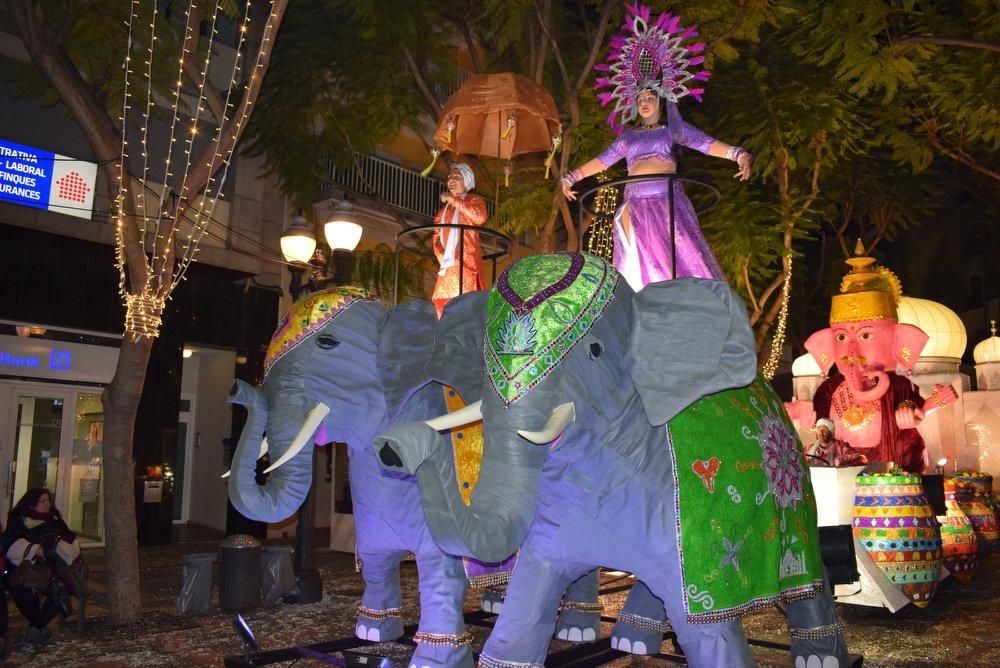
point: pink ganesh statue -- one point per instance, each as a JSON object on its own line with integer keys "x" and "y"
{"x": 875, "y": 410}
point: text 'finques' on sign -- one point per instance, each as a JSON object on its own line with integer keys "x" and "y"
{"x": 43, "y": 180}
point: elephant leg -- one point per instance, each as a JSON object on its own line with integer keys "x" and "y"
{"x": 641, "y": 623}
{"x": 580, "y": 614}
{"x": 657, "y": 564}
{"x": 704, "y": 645}
{"x": 442, "y": 639}
{"x": 817, "y": 635}
{"x": 380, "y": 612}
{"x": 521, "y": 636}
{"x": 493, "y": 599}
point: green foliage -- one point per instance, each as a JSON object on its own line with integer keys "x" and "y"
{"x": 326, "y": 96}
{"x": 375, "y": 269}
{"x": 95, "y": 43}
{"x": 861, "y": 125}
{"x": 525, "y": 205}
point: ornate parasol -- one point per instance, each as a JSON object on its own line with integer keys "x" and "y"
{"x": 501, "y": 116}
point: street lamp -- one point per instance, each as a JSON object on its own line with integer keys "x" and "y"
{"x": 298, "y": 243}
{"x": 343, "y": 232}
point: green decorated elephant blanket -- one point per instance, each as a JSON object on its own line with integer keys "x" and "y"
{"x": 746, "y": 512}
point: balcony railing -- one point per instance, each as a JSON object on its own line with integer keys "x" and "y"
{"x": 399, "y": 187}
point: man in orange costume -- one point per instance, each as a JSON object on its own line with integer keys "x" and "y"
{"x": 463, "y": 208}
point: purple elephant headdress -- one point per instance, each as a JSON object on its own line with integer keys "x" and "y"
{"x": 655, "y": 56}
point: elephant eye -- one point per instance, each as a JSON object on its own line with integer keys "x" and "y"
{"x": 841, "y": 337}
{"x": 326, "y": 342}
{"x": 866, "y": 336}
{"x": 596, "y": 350}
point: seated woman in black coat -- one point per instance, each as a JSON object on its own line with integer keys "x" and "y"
{"x": 35, "y": 530}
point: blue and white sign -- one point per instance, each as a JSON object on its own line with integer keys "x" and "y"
{"x": 43, "y": 180}
{"x": 56, "y": 360}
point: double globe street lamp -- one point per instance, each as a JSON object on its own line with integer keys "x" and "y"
{"x": 298, "y": 244}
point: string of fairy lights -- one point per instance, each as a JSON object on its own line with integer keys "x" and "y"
{"x": 144, "y": 304}
{"x": 778, "y": 341}
{"x": 144, "y": 136}
{"x": 203, "y": 214}
{"x": 601, "y": 241}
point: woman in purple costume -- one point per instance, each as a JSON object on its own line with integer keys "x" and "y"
{"x": 645, "y": 91}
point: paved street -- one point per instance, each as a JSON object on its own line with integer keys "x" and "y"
{"x": 957, "y": 629}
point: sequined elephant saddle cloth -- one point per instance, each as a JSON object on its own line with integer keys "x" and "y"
{"x": 746, "y": 511}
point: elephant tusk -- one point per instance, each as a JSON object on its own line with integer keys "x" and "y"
{"x": 558, "y": 421}
{"x": 263, "y": 451}
{"x": 463, "y": 416}
{"x": 309, "y": 427}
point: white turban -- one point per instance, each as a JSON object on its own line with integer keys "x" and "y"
{"x": 467, "y": 174}
{"x": 824, "y": 422}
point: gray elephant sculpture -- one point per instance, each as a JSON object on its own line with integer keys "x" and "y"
{"x": 628, "y": 430}
{"x": 341, "y": 367}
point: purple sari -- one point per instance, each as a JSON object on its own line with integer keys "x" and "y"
{"x": 647, "y": 257}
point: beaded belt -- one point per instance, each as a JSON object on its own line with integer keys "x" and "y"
{"x": 818, "y": 632}
{"x": 644, "y": 623}
{"x": 371, "y": 613}
{"x": 443, "y": 639}
{"x": 581, "y": 606}
{"x": 489, "y": 662}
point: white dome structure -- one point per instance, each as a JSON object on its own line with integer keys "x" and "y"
{"x": 806, "y": 377}
{"x": 987, "y": 356}
{"x": 805, "y": 365}
{"x": 987, "y": 350}
{"x": 947, "y": 337}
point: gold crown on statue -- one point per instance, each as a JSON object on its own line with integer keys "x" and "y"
{"x": 868, "y": 291}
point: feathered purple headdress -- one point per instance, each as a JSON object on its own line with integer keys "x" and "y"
{"x": 649, "y": 55}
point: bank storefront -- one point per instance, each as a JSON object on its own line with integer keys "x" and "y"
{"x": 52, "y": 423}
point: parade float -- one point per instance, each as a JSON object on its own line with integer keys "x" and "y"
{"x": 901, "y": 403}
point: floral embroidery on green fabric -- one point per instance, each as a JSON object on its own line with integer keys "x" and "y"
{"x": 742, "y": 487}
{"x": 540, "y": 307}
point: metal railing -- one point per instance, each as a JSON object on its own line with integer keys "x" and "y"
{"x": 494, "y": 245}
{"x": 588, "y": 194}
{"x": 399, "y": 187}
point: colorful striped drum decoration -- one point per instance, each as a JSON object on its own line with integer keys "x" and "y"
{"x": 959, "y": 543}
{"x": 895, "y": 524}
{"x": 974, "y": 495}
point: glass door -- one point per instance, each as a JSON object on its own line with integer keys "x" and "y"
{"x": 83, "y": 507}
{"x": 52, "y": 437}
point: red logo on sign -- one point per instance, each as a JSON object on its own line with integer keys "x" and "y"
{"x": 73, "y": 187}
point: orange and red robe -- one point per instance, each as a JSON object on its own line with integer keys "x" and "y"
{"x": 472, "y": 212}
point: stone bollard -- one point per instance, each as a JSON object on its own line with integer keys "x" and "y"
{"x": 239, "y": 573}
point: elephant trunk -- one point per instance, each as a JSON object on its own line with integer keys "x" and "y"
{"x": 857, "y": 377}
{"x": 503, "y": 503}
{"x": 286, "y": 488}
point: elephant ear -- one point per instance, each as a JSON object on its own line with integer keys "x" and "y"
{"x": 458, "y": 359}
{"x": 907, "y": 343}
{"x": 690, "y": 337}
{"x": 820, "y": 346}
{"x": 406, "y": 340}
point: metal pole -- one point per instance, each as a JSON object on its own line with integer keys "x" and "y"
{"x": 461, "y": 261}
{"x": 342, "y": 261}
{"x": 395, "y": 276}
{"x": 295, "y": 284}
{"x": 308, "y": 581}
{"x": 673, "y": 237}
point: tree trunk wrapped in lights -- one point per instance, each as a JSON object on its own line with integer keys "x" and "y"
{"x": 158, "y": 226}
